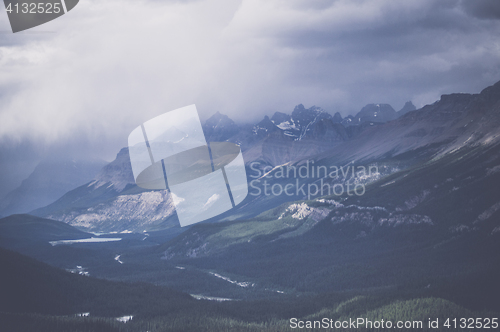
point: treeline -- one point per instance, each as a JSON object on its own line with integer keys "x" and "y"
{"x": 368, "y": 308}
{"x": 40, "y": 323}
{"x": 38, "y": 297}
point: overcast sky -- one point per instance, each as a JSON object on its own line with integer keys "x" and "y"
{"x": 81, "y": 83}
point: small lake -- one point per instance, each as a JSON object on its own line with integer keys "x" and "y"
{"x": 89, "y": 240}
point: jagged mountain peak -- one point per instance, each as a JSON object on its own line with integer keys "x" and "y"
{"x": 376, "y": 113}
{"x": 266, "y": 125}
{"x": 298, "y": 124}
{"x": 299, "y": 107}
{"x": 117, "y": 173}
{"x": 337, "y": 118}
{"x": 217, "y": 118}
{"x": 303, "y": 119}
{"x": 279, "y": 117}
{"x": 348, "y": 121}
{"x": 266, "y": 120}
{"x": 408, "y": 107}
{"x": 219, "y": 127}
{"x": 300, "y": 111}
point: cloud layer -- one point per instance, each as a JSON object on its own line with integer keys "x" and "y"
{"x": 94, "y": 74}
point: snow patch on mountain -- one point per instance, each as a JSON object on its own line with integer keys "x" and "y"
{"x": 412, "y": 202}
{"x": 287, "y": 125}
{"x": 243, "y": 284}
{"x": 460, "y": 229}
{"x": 406, "y": 219}
{"x": 493, "y": 170}
{"x": 488, "y": 213}
{"x": 331, "y": 202}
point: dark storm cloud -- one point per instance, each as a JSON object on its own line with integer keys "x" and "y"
{"x": 484, "y": 9}
{"x": 413, "y": 52}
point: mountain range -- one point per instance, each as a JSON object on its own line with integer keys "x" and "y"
{"x": 112, "y": 201}
{"x": 431, "y": 223}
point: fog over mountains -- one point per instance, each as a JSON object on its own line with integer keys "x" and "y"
{"x": 51, "y": 179}
{"x": 112, "y": 202}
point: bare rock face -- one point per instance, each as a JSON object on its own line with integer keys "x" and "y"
{"x": 125, "y": 213}
{"x": 50, "y": 179}
{"x": 111, "y": 202}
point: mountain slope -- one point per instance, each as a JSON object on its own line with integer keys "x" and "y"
{"x": 376, "y": 113}
{"x": 112, "y": 202}
{"x": 435, "y": 223}
{"x": 408, "y": 107}
{"x": 19, "y": 228}
{"x": 50, "y": 180}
